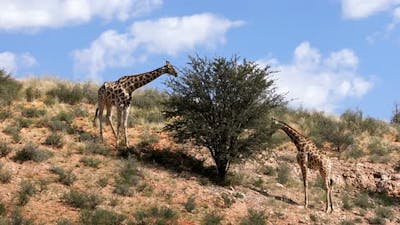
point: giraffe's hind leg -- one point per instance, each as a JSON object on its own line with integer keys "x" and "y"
{"x": 125, "y": 125}
{"x": 109, "y": 119}
{"x": 99, "y": 110}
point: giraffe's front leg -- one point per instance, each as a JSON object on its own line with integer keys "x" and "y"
{"x": 125, "y": 125}
{"x": 118, "y": 126}
{"x": 305, "y": 184}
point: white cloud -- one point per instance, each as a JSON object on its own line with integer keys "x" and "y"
{"x": 11, "y": 62}
{"x": 358, "y": 9}
{"x": 35, "y": 14}
{"x": 169, "y": 36}
{"x": 317, "y": 82}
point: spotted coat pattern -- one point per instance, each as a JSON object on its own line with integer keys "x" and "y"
{"x": 119, "y": 94}
{"x": 310, "y": 157}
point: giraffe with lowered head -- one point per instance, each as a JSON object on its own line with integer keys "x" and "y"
{"x": 309, "y": 156}
{"x": 119, "y": 94}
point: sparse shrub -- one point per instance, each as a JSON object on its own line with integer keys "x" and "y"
{"x": 91, "y": 162}
{"x": 97, "y": 148}
{"x": 377, "y": 220}
{"x": 64, "y": 116}
{"x": 5, "y": 175}
{"x": 190, "y": 204}
{"x": 102, "y": 182}
{"x": 347, "y": 222}
{"x": 129, "y": 175}
{"x": 254, "y": 217}
{"x": 313, "y": 218}
{"x": 82, "y": 200}
{"x": 269, "y": 170}
{"x": 353, "y": 120}
{"x": 14, "y": 131}
{"x": 354, "y": 152}
{"x": 147, "y": 139}
{"x": 384, "y": 212}
{"x": 33, "y": 112}
{"x": 2, "y": 209}
{"x": 362, "y": 201}
{"x": 27, "y": 189}
{"x": 57, "y": 125}
{"x": 375, "y": 127}
{"x": 49, "y": 101}
{"x": 9, "y": 88}
{"x": 18, "y": 219}
{"x": 376, "y": 147}
{"x": 4, "y": 114}
{"x": 288, "y": 158}
{"x": 284, "y": 174}
{"x": 32, "y": 94}
{"x": 64, "y": 221}
{"x": 80, "y": 112}
{"x": 85, "y": 136}
{"x": 23, "y": 122}
{"x": 4, "y": 150}
{"x": 101, "y": 217}
{"x": 66, "y": 94}
{"x": 54, "y": 140}
{"x": 32, "y": 152}
{"x": 346, "y": 202}
{"x": 228, "y": 201}
{"x": 156, "y": 215}
{"x": 90, "y": 91}
{"x": 212, "y": 219}
{"x": 64, "y": 177}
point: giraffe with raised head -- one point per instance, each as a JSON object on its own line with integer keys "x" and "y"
{"x": 310, "y": 157}
{"x": 119, "y": 94}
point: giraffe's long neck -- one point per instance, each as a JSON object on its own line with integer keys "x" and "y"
{"x": 297, "y": 138}
{"x": 133, "y": 82}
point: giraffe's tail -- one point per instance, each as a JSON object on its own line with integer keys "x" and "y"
{"x": 95, "y": 116}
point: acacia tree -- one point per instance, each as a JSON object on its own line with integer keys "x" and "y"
{"x": 223, "y": 105}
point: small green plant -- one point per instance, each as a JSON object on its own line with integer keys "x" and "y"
{"x": 362, "y": 201}
{"x": 27, "y": 189}
{"x": 346, "y": 202}
{"x": 64, "y": 221}
{"x": 18, "y": 219}
{"x": 4, "y": 114}
{"x": 24, "y": 122}
{"x": 190, "y": 204}
{"x": 96, "y": 148}
{"x": 4, "y": 150}
{"x": 102, "y": 182}
{"x": 158, "y": 215}
{"x": 2, "y": 210}
{"x": 254, "y": 217}
{"x": 14, "y": 131}
{"x": 101, "y": 217}
{"x": 5, "y": 175}
{"x": 33, "y": 112}
{"x": 66, "y": 178}
{"x": 212, "y": 219}
{"x": 82, "y": 200}
{"x": 347, "y": 222}
{"x": 32, "y": 94}
{"x": 66, "y": 94}
{"x": 129, "y": 175}
{"x": 269, "y": 170}
{"x": 384, "y": 212}
{"x": 228, "y": 201}
{"x": 54, "y": 140}
{"x": 284, "y": 174}
{"x": 9, "y": 88}
{"x": 64, "y": 116}
{"x": 31, "y": 152}
{"x": 90, "y": 161}
{"x": 147, "y": 139}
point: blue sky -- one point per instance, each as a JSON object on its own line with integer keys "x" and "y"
{"x": 332, "y": 54}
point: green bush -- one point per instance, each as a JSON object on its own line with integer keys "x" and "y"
{"x": 254, "y": 217}
{"x": 4, "y": 114}
{"x": 65, "y": 177}
{"x": 82, "y": 200}
{"x": 32, "y": 94}
{"x": 9, "y": 88}
{"x": 2, "y": 209}
{"x": 18, "y": 219}
{"x": 284, "y": 174}
{"x": 97, "y": 148}
{"x": 66, "y": 94}
{"x": 24, "y": 123}
{"x": 31, "y": 152}
{"x": 27, "y": 189}
{"x": 269, "y": 170}
{"x": 67, "y": 117}
{"x": 33, "y": 112}
{"x": 384, "y": 212}
{"x": 64, "y": 221}
{"x": 212, "y": 219}
{"x": 346, "y": 202}
{"x": 54, "y": 140}
{"x": 362, "y": 201}
{"x": 14, "y": 131}
{"x": 354, "y": 152}
{"x": 101, "y": 217}
{"x": 147, "y": 138}
{"x": 4, "y": 150}
{"x": 91, "y": 162}
{"x": 156, "y": 215}
{"x": 5, "y": 175}
{"x": 129, "y": 175}
{"x": 102, "y": 182}
{"x": 190, "y": 204}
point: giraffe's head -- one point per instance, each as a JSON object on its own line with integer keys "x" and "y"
{"x": 169, "y": 68}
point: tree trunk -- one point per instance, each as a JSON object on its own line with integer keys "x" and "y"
{"x": 222, "y": 168}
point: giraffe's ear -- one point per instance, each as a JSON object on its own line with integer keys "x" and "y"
{"x": 167, "y": 63}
